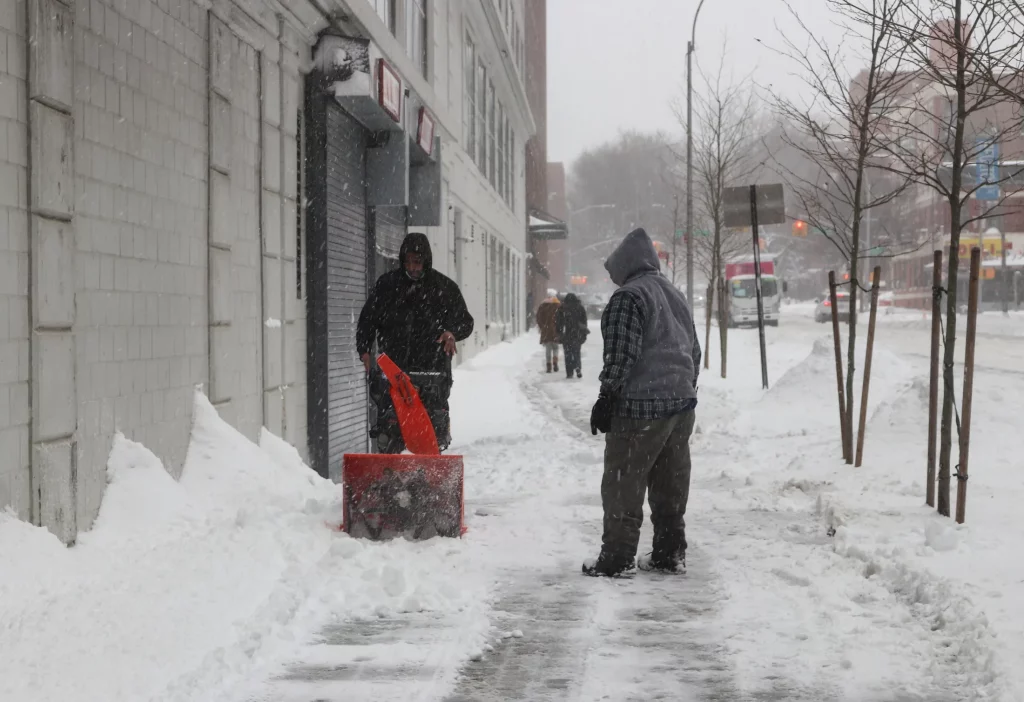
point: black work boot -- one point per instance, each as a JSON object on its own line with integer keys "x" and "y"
{"x": 549, "y": 367}
{"x": 607, "y": 567}
{"x": 556, "y": 365}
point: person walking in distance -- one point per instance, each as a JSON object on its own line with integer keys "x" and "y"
{"x": 546, "y": 313}
{"x": 571, "y": 324}
{"x": 646, "y": 406}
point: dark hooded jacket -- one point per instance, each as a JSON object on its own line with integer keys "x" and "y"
{"x": 405, "y": 317}
{"x": 669, "y": 359}
{"x": 571, "y": 321}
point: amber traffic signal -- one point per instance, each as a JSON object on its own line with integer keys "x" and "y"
{"x": 799, "y": 228}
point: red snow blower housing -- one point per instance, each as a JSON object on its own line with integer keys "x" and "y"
{"x": 417, "y": 495}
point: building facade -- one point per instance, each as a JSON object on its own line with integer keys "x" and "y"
{"x": 156, "y": 205}
{"x": 416, "y": 119}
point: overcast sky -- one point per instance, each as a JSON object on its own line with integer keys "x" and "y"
{"x": 618, "y": 64}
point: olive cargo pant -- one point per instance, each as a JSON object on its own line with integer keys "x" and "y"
{"x": 653, "y": 456}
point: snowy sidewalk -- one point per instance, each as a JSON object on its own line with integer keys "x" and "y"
{"x": 767, "y": 611}
{"x": 808, "y": 580}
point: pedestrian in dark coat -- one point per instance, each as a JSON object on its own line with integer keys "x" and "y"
{"x": 415, "y": 315}
{"x": 571, "y": 323}
{"x": 646, "y": 406}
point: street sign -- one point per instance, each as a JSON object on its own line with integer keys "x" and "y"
{"x": 988, "y": 169}
{"x": 771, "y": 206}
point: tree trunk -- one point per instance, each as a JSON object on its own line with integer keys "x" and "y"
{"x": 851, "y": 351}
{"x": 955, "y": 212}
{"x": 709, "y": 301}
{"x": 949, "y": 347}
{"x": 723, "y": 324}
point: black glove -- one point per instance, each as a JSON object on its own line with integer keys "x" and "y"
{"x": 601, "y": 415}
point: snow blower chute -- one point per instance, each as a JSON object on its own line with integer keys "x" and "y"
{"x": 418, "y": 494}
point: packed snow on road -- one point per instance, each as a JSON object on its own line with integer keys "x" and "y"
{"x": 808, "y": 579}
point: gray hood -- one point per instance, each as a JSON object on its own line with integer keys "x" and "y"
{"x": 635, "y": 255}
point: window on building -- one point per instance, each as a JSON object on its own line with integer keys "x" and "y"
{"x": 507, "y": 194}
{"x": 300, "y": 202}
{"x": 386, "y": 10}
{"x": 501, "y": 283}
{"x": 508, "y": 285}
{"x": 515, "y": 44}
{"x": 502, "y": 163}
{"x": 481, "y": 115}
{"x": 493, "y": 280}
{"x": 469, "y": 99}
{"x": 416, "y": 32}
{"x": 512, "y": 164}
{"x": 491, "y": 119}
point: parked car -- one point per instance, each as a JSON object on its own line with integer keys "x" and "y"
{"x": 823, "y": 312}
{"x": 886, "y": 299}
{"x": 595, "y": 305}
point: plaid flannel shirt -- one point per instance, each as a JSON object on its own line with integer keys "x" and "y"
{"x": 622, "y": 326}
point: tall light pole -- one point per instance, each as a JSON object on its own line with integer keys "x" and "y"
{"x": 689, "y": 156}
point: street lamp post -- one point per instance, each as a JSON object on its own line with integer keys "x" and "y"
{"x": 689, "y": 156}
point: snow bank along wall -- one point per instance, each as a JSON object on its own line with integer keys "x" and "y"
{"x": 152, "y": 233}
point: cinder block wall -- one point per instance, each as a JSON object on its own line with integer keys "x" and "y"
{"x": 15, "y": 478}
{"x": 161, "y": 237}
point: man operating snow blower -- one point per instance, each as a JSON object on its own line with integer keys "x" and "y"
{"x": 646, "y": 407}
{"x": 415, "y": 315}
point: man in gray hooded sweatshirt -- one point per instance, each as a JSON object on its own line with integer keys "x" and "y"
{"x": 646, "y": 407}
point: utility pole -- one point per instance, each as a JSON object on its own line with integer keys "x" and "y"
{"x": 675, "y": 240}
{"x": 689, "y": 156}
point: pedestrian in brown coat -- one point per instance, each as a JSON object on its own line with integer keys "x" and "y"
{"x": 547, "y": 323}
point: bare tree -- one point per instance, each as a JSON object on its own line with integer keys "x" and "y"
{"x": 726, "y": 130}
{"x": 844, "y": 128}
{"x": 968, "y": 69}
{"x": 615, "y": 187}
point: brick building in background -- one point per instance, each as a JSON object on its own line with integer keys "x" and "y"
{"x": 548, "y": 233}
{"x": 208, "y": 191}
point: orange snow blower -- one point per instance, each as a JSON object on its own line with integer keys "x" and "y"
{"x": 416, "y": 495}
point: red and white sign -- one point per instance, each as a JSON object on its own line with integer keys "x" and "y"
{"x": 389, "y": 90}
{"x": 425, "y": 131}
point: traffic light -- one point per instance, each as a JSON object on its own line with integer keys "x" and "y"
{"x": 799, "y": 228}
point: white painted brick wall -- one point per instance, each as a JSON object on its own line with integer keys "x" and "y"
{"x": 141, "y": 243}
{"x": 15, "y": 482}
{"x": 140, "y": 214}
{"x": 141, "y": 101}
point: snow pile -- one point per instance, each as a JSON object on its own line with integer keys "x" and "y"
{"x": 184, "y": 589}
{"x": 955, "y": 591}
